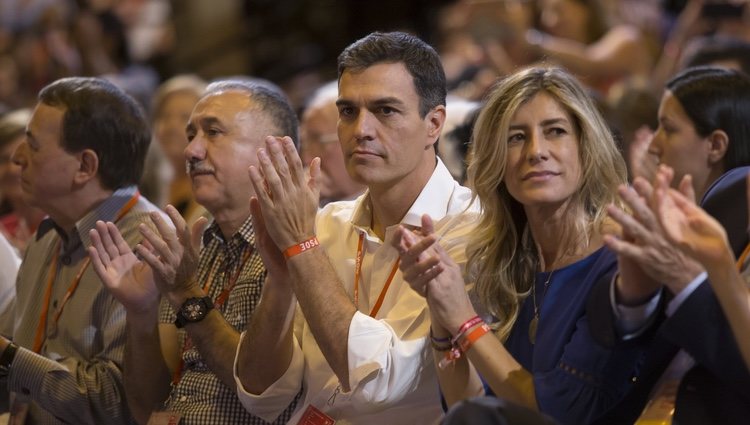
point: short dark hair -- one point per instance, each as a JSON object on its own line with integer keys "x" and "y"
{"x": 270, "y": 99}
{"x": 101, "y": 117}
{"x": 717, "y": 99}
{"x": 419, "y": 58}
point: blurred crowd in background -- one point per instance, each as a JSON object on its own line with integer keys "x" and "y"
{"x": 163, "y": 52}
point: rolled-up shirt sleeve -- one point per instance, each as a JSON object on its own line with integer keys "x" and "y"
{"x": 270, "y": 404}
{"x": 382, "y": 366}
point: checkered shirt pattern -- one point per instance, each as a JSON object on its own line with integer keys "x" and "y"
{"x": 200, "y": 397}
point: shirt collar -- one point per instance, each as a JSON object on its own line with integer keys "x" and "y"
{"x": 106, "y": 211}
{"x": 433, "y": 200}
{"x": 244, "y": 234}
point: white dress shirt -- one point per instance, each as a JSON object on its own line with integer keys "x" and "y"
{"x": 391, "y": 372}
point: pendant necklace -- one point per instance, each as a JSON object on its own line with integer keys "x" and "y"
{"x": 537, "y": 308}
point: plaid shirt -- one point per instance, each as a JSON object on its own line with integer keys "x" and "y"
{"x": 200, "y": 396}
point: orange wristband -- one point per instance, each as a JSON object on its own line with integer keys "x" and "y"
{"x": 473, "y": 336}
{"x": 301, "y": 247}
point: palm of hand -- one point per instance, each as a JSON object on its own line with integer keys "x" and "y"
{"x": 131, "y": 281}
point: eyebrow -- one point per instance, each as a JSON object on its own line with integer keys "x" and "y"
{"x": 544, "y": 123}
{"x": 383, "y": 101}
{"x": 202, "y": 122}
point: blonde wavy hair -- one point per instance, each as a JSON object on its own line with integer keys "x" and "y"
{"x": 502, "y": 257}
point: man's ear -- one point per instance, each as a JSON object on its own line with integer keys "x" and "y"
{"x": 718, "y": 143}
{"x": 435, "y": 120}
{"x": 88, "y": 167}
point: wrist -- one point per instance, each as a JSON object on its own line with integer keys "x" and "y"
{"x": 304, "y": 245}
{"x": 630, "y": 296}
{"x": 177, "y": 298}
{"x": 465, "y": 324}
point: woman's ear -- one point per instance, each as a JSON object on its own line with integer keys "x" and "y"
{"x": 718, "y": 143}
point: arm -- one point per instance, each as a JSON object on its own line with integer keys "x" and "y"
{"x": 173, "y": 257}
{"x": 432, "y": 273}
{"x": 80, "y": 391}
{"x": 289, "y": 204}
{"x": 266, "y": 350}
{"x": 147, "y": 368}
{"x": 618, "y": 52}
{"x": 699, "y": 235}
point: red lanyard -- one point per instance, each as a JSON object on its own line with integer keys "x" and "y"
{"x": 218, "y": 303}
{"x": 358, "y": 273}
{"x": 41, "y": 335}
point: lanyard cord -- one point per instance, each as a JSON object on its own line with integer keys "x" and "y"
{"x": 41, "y": 335}
{"x": 358, "y": 273}
{"x": 218, "y": 304}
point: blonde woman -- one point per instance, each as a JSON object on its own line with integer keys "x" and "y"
{"x": 544, "y": 166}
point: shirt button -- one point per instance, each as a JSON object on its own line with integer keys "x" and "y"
{"x": 183, "y": 399}
{"x": 66, "y": 260}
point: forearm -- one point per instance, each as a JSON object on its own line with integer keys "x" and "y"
{"x": 327, "y": 307}
{"x": 266, "y": 350}
{"x": 458, "y": 381}
{"x": 505, "y": 376}
{"x": 147, "y": 377}
{"x": 616, "y": 53}
{"x": 216, "y": 341}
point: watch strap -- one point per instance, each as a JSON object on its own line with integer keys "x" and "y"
{"x": 183, "y": 320}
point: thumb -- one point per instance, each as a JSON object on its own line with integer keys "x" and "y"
{"x": 197, "y": 234}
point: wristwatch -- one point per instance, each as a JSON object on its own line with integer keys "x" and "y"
{"x": 6, "y": 359}
{"x": 193, "y": 310}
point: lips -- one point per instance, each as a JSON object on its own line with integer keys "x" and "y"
{"x": 196, "y": 173}
{"x": 543, "y": 174}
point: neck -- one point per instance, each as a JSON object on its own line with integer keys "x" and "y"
{"x": 391, "y": 202}
{"x": 78, "y": 204}
{"x": 556, "y": 240}
{"x": 701, "y": 187}
{"x": 230, "y": 221}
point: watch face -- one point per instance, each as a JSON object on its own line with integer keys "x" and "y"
{"x": 194, "y": 311}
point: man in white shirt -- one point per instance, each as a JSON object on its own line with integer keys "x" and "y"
{"x": 336, "y": 319}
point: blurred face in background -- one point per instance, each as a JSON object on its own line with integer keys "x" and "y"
{"x": 10, "y": 173}
{"x": 169, "y": 127}
{"x": 318, "y": 138}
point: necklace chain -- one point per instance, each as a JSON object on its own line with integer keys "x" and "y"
{"x": 537, "y": 308}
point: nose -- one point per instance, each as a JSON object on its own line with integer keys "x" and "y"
{"x": 19, "y": 155}
{"x": 363, "y": 126}
{"x": 657, "y": 141}
{"x": 536, "y": 147}
{"x": 196, "y": 148}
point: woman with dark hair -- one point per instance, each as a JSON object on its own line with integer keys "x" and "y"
{"x": 694, "y": 372}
